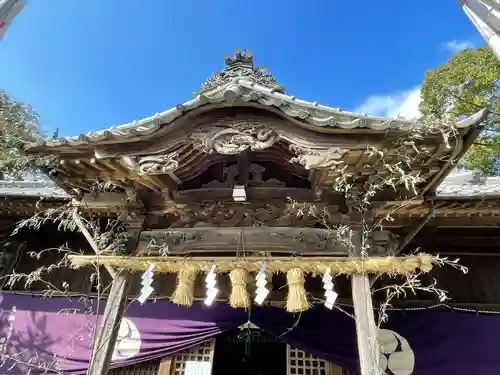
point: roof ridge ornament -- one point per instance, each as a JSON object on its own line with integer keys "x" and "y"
{"x": 240, "y": 60}
{"x": 240, "y": 65}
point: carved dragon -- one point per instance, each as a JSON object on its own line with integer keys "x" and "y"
{"x": 235, "y": 140}
{"x": 159, "y": 164}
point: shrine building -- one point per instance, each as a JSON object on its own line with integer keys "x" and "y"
{"x": 226, "y": 206}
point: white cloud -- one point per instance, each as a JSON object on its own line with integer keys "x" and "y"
{"x": 455, "y": 46}
{"x": 403, "y": 104}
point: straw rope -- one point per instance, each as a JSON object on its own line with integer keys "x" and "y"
{"x": 316, "y": 265}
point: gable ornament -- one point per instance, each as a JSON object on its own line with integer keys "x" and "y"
{"x": 241, "y": 65}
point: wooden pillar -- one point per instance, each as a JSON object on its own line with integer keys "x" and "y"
{"x": 104, "y": 341}
{"x": 165, "y": 366}
{"x": 366, "y": 327}
{"x": 105, "y": 338}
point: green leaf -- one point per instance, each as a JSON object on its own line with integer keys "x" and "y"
{"x": 469, "y": 81}
{"x": 19, "y": 126}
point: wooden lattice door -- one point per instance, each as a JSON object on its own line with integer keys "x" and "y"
{"x": 197, "y": 360}
{"x": 143, "y": 368}
{"x": 298, "y": 362}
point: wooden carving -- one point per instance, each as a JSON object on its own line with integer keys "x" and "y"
{"x": 249, "y": 214}
{"x": 280, "y": 239}
{"x": 316, "y": 159}
{"x": 308, "y": 241}
{"x": 234, "y": 140}
{"x": 159, "y": 164}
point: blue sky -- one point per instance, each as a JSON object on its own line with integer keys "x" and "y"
{"x": 86, "y": 67}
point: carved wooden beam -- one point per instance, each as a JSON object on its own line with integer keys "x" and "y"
{"x": 189, "y": 210}
{"x": 305, "y": 241}
{"x": 252, "y": 213}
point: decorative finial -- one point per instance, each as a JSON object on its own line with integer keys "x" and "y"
{"x": 240, "y": 65}
{"x": 240, "y": 60}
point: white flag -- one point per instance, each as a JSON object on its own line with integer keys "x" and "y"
{"x": 8, "y": 10}
{"x": 485, "y": 15}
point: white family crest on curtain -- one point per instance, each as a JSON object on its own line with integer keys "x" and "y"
{"x": 128, "y": 342}
{"x": 396, "y": 355}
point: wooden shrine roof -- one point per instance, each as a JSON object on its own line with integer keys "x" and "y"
{"x": 464, "y": 184}
{"x": 247, "y": 89}
{"x": 241, "y": 82}
{"x": 240, "y": 109}
{"x": 31, "y": 189}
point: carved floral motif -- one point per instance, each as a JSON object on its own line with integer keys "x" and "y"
{"x": 315, "y": 159}
{"x": 159, "y": 164}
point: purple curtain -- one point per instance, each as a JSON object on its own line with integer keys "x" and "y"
{"x": 56, "y": 334}
{"x": 451, "y": 343}
{"x": 443, "y": 343}
{"x": 166, "y": 328}
{"x": 34, "y": 329}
